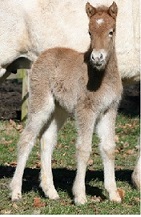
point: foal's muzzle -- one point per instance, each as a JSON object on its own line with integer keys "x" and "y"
{"x": 98, "y": 59}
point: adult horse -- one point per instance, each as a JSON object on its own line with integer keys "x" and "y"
{"x": 28, "y": 27}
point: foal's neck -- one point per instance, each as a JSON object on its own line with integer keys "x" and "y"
{"x": 97, "y": 77}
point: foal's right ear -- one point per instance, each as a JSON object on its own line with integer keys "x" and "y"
{"x": 90, "y": 10}
{"x": 113, "y": 10}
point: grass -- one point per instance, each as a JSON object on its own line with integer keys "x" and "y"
{"x": 64, "y": 168}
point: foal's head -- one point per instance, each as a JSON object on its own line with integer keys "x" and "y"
{"x": 102, "y": 26}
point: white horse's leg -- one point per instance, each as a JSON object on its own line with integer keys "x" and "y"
{"x": 26, "y": 142}
{"x": 136, "y": 175}
{"x": 106, "y": 132}
{"x": 85, "y": 126}
{"x": 48, "y": 142}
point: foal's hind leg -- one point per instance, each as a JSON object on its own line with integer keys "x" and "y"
{"x": 26, "y": 142}
{"x": 106, "y": 132}
{"x": 85, "y": 122}
{"x": 48, "y": 142}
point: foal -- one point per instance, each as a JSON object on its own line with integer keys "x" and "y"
{"x": 86, "y": 84}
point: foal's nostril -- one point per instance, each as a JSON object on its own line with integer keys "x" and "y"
{"x": 97, "y": 57}
{"x": 101, "y": 56}
{"x": 92, "y": 57}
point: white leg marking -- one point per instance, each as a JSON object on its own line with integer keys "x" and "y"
{"x": 25, "y": 145}
{"x": 106, "y": 132}
{"x": 26, "y": 142}
{"x": 136, "y": 176}
{"x": 83, "y": 146}
{"x": 48, "y": 142}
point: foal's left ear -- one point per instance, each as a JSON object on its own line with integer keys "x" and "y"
{"x": 113, "y": 10}
{"x": 90, "y": 10}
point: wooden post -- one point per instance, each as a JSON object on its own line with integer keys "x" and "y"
{"x": 25, "y": 94}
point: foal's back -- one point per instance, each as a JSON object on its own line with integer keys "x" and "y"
{"x": 63, "y": 72}
{"x": 61, "y": 62}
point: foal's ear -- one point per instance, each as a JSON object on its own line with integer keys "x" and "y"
{"x": 113, "y": 10}
{"x": 90, "y": 10}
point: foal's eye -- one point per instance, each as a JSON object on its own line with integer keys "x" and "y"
{"x": 111, "y": 33}
{"x": 89, "y": 33}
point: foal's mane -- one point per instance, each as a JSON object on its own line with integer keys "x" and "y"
{"x": 107, "y": 10}
{"x": 102, "y": 9}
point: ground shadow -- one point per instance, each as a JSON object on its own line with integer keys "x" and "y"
{"x": 63, "y": 179}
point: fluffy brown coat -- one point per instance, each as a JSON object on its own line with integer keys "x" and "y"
{"x": 89, "y": 86}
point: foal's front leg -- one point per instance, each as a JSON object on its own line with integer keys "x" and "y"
{"x": 85, "y": 125}
{"x": 106, "y": 132}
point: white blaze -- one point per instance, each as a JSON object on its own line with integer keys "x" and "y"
{"x": 100, "y": 21}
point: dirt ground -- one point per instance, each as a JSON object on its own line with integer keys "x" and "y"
{"x": 11, "y": 97}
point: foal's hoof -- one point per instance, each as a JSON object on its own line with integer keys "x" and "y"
{"x": 15, "y": 191}
{"x": 52, "y": 194}
{"x": 136, "y": 180}
{"x": 80, "y": 200}
{"x": 115, "y": 197}
{"x": 15, "y": 196}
